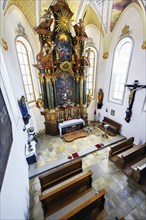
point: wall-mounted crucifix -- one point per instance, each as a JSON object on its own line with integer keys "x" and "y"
{"x": 133, "y": 88}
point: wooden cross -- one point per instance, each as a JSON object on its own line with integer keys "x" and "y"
{"x": 133, "y": 88}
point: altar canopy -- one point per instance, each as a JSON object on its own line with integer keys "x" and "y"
{"x": 62, "y": 67}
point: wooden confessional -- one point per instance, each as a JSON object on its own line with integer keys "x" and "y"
{"x": 62, "y": 68}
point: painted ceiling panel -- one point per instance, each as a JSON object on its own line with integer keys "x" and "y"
{"x": 117, "y": 9}
{"x": 93, "y": 16}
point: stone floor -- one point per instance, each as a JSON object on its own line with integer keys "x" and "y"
{"x": 123, "y": 197}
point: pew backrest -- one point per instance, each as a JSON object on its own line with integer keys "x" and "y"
{"x": 136, "y": 150}
{"x": 121, "y": 146}
{"x": 133, "y": 152}
{"x": 59, "y": 174}
{"x": 138, "y": 169}
{"x": 65, "y": 188}
{"x": 111, "y": 123}
{"x": 83, "y": 209}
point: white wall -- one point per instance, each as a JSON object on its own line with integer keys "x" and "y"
{"x": 137, "y": 126}
{"x": 93, "y": 33}
{"x": 14, "y": 16}
{"x": 14, "y": 202}
{"x": 15, "y": 187}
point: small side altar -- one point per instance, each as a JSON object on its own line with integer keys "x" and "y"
{"x": 62, "y": 67}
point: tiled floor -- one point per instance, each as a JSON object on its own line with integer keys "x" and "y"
{"x": 123, "y": 198}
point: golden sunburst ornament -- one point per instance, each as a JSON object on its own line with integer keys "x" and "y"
{"x": 63, "y": 21}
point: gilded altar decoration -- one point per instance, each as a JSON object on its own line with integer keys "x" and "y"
{"x": 105, "y": 55}
{"x": 143, "y": 46}
{"x": 62, "y": 67}
{"x": 4, "y": 45}
{"x": 89, "y": 42}
{"x": 40, "y": 104}
{"x": 63, "y": 21}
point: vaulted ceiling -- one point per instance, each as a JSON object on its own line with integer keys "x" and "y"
{"x": 104, "y": 14}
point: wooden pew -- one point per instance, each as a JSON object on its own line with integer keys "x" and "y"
{"x": 127, "y": 155}
{"x": 121, "y": 146}
{"x": 81, "y": 208}
{"x": 61, "y": 194}
{"x": 113, "y": 128}
{"x": 138, "y": 169}
{"x": 59, "y": 174}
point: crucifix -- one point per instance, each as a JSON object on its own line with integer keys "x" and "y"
{"x": 133, "y": 88}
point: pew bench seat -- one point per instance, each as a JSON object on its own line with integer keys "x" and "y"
{"x": 127, "y": 155}
{"x": 138, "y": 169}
{"x": 81, "y": 207}
{"x": 61, "y": 194}
{"x": 59, "y": 174}
{"x": 121, "y": 146}
{"x": 113, "y": 126}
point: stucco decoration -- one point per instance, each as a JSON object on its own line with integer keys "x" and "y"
{"x": 20, "y": 30}
{"x": 105, "y": 55}
{"x": 89, "y": 42}
{"x": 4, "y": 44}
{"x": 117, "y": 9}
{"x": 143, "y": 46}
{"x": 125, "y": 31}
{"x": 28, "y": 8}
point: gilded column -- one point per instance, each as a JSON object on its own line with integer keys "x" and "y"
{"x": 55, "y": 92}
{"x": 81, "y": 90}
{"x": 44, "y": 90}
{"x": 84, "y": 89}
{"x": 77, "y": 90}
{"x": 50, "y": 94}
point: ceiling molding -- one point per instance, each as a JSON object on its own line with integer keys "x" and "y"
{"x": 28, "y": 8}
{"x": 92, "y": 18}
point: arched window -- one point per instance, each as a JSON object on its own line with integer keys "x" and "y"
{"x": 91, "y": 54}
{"x": 24, "y": 52}
{"x": 120, "y": 68}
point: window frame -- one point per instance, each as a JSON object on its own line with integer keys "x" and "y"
{"x": 94, "y": 70}
{"x": 29, "y": 52}
{"x": 110, "y": 94}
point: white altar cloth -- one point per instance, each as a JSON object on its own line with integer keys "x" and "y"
{"x": 69, "y": 123}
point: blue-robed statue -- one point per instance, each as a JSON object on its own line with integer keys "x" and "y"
{"x": 24, "y": 111}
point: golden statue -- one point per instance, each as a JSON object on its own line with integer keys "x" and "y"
{"x": 100, "y": 98}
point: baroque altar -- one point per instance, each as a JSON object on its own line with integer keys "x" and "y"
{"x": 62, "y": 67}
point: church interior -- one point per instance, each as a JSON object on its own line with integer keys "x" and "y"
{"x": 73, "y": 109}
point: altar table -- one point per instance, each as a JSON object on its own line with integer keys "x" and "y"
{"x": 70, "y": 126}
